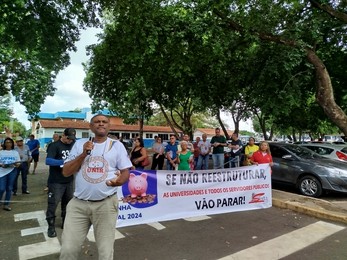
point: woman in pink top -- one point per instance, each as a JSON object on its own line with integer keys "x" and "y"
{"x": 263, "y": 155}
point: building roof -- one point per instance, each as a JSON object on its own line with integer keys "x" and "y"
{"x": 77, "y": 124}
{"x": 81, "y": 124}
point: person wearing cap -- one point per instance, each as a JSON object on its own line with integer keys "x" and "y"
{"x": 23, "y": 169}
{"x": 60, "y": 188}
{"x": 100, "y": 165}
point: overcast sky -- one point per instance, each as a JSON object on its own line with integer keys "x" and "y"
{"x": 70, "y": 94}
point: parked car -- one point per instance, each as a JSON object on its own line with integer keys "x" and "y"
{"x": 332, "y": 151}
{"x": 311, "y": 173}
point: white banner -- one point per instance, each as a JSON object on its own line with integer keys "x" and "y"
{"x": 152, "y": 196}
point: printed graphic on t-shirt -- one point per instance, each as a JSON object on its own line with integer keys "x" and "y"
{"x": 95, "y": 170}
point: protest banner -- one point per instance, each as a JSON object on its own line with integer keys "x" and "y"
{"x": 152, "y": 196}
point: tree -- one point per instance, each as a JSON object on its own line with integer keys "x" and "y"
{"x": 144, "y": 47}
{"x": 7, "y": 123}
{"x": 297, "y": 25}
{"x": 35, "y": 38}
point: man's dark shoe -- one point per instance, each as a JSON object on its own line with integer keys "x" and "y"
{"x": 14, "y": 194}
{"x": 51, "y": 231}
{"x": 26, "y": 192}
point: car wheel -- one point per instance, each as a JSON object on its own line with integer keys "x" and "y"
{"x": 310, "y": 186}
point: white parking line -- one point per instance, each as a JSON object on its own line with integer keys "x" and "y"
{"x": 198, "y": 218}
{"x": 91, "y": 237}
{"x": 287, "y": 244}
{"x": 157, "y": 226}
{"x": 49, "y": 247}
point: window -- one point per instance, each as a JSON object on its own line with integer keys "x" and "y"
{"x": 277, "y": 152}
{"x": 163, "y": 136}
{"x": 149, "y": 135}
{"x": 116, "y": 134}
{"x": 85, "y": 134}
{"x": 126, "y": 135}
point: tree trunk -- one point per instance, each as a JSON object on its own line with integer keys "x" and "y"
{"x": 141, "y": 127}
{"x": 168, "y": 121}
{"x": 325, "y": 94}
{"x": 222, "y": 126}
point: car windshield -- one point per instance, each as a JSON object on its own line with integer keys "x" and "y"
{"x": 302, "y": 152}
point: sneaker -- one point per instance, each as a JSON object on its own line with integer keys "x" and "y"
{"x": 51, "y": 231}
{"x": 26, "y": 192}
{"x": 7, "y": 208}
{"x": 14, "y": 193}
{"x": 45, "y": 189}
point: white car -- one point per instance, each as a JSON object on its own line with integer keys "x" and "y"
{"x": 332, "y": 151}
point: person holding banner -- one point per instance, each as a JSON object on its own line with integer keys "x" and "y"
{"x": 250, "y": 148}
{"x": 158, "y": 156}
{"x": 263, "y": 155}
{"x": 138, "y": 154}
{"x": 218, "y": 143}
{"x": 171, "y": 153}
{"x": 184, "y": 157}
{"x": 205, "y": 149}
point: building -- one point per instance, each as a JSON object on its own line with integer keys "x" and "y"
{"x": 51, "y": 123}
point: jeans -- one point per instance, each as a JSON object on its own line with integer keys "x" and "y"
{"x": 6, "y": 184}
{"x": 203, "y": 162}
{"x": 218, "y": 160}
{"x": 22, "y": 170}
{"x": 169, "y": 166}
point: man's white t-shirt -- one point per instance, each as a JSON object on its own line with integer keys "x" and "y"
{"x": 101, "y": 165}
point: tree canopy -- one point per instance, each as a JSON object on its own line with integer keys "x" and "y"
{"x": 270, "y": 57}
{"x": 35, "y": 38}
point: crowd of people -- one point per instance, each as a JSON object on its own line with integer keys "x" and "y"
{"x": 84, "y": 174}
{"x": 185, "y": 155}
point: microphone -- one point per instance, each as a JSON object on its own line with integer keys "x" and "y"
{"x": 91, "y": 140}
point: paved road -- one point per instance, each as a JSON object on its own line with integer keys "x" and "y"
{"x": 272, "y": 233}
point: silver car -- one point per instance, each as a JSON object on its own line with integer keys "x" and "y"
{"x": 333, "y": 151}
{"x": 309, "y": 172}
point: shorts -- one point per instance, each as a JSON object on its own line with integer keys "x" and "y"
{"x": 35, "y": 157}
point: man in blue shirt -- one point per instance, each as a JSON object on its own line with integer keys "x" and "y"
{"x": 34, "y": 146}
{"x": 171, "y": 153}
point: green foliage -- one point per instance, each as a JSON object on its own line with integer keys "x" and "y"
{"x": 35, "y": 38}
{"x": 196, "y": 56}
{"x": 6, "y": 120}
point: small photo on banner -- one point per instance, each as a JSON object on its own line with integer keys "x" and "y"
{"x": 141, "y": 189}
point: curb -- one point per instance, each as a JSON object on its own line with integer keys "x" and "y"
{"x": 321, "y": 214}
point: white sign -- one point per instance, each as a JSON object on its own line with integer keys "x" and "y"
{"x": 152, "y": 196}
